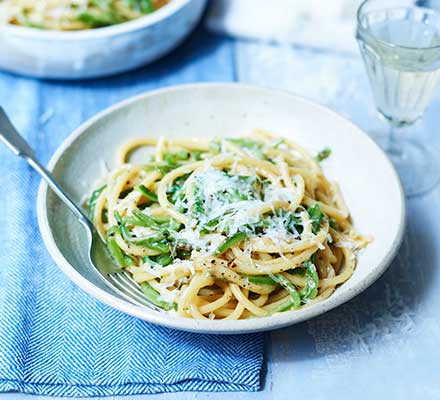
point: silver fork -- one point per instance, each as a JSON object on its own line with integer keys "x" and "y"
{"x": 100, "y": 259}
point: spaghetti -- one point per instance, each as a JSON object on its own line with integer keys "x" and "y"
{"x": 227, "y": 229}
{"x": 74, "y": 14}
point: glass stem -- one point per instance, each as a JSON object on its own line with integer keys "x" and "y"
{"x": 394, "y": 145}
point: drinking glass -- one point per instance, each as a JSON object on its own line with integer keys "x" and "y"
{"x": 400, "y": 44}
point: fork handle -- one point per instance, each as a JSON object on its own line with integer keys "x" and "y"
{"x": 16, "y": 143}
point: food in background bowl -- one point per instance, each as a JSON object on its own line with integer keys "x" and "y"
{"x": 74, "y": 14}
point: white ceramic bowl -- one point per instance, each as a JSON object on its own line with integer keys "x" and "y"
{"x": 367, "y": 178}
{"x": 97, "y": 52}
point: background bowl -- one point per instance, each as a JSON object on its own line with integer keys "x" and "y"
{"x": 368, "y": 180}
{"x": 97, "y": 52}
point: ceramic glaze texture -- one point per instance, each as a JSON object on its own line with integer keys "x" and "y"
{"x": 212, "y": 110}
{"x": 98, "y": 52}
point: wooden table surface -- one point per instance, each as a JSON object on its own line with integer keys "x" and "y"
{"x": 382, "y": 344}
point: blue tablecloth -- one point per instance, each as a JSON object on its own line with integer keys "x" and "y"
{"x": 384, "y": 343}
{"x": 54, "y": 338}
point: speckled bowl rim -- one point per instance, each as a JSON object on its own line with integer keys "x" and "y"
{"x": 204, "y": 326}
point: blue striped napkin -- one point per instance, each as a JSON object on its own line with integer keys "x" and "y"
{"x": 57, "y": 340}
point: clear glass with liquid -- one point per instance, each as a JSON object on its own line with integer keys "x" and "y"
{"x": 400, "y": 45}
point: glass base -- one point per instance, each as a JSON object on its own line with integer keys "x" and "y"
{"x": 417, "y": 165}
